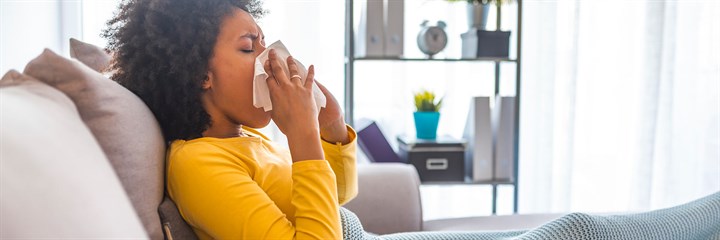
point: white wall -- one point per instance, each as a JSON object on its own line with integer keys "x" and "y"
{"x": 29, "y": 26}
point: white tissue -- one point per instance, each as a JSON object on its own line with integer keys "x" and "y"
{"x": 261, "y": 94}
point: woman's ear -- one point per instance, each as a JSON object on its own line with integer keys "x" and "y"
{"x": 207, "y": 83}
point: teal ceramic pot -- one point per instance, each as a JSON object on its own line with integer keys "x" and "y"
{"x": 426, "y": 124}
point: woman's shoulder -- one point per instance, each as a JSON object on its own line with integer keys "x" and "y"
{"x": 209, "y": 156}
{"x": 210, "y": 149}
{"x": 214, "y": 145}
{"x": 188, "y": 147}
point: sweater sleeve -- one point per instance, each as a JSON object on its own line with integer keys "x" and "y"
{"x": 342, "y": 159}
{"x": 218, "y": 196}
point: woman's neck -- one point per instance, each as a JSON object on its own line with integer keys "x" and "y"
{"x": 227, "y": 131}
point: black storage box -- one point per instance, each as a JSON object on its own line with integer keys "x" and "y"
{"x": 437, "y": 160}
{"x": 481, "y": 43}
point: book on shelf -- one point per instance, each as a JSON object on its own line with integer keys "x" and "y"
{"x": 370, "y": 39}
{"x": 478, "y": 133}
{"x": 394, "y": 20}
{"x": 374, "y": 144}
{"x": 503, "y": 119}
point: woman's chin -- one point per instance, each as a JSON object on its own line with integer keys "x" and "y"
{"x": 259, "y": 123}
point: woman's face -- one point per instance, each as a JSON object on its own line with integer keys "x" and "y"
{"x": 228, "y": 90}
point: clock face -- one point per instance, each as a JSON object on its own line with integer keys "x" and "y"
{"x": 432, "y": 40}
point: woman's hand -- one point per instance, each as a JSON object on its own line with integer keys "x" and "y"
{"x": 294, "y": 110}
{"x": 332, "y": 121}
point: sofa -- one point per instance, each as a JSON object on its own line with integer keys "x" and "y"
{"x": 389, "y": 202}
{"x": 83, "y": 157}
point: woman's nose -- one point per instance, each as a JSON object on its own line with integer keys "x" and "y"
{"x": 261, "y": 48}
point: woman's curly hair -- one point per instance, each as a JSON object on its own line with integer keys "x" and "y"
{"x": 162, "y": 50}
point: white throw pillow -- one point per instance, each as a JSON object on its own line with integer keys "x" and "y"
{"x": 56, "y": 181}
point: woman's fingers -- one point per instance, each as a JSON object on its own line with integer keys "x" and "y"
{"x": 322, "y": 88}
{"x": 294, "y": 73}
{"x": 310, "y": 77}
{"x": 271, "y": 81}
{"x": 277, "y": 70}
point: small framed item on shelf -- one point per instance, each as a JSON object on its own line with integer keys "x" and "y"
{"x": 436, "y": 160}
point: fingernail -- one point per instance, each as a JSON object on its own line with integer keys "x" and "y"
{"x": 272, "y": 52}
{"x": 312, "y": 68}
{"x": 290, "y": 58}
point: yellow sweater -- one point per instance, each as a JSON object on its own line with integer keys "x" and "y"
{"x": 249, "y": 188}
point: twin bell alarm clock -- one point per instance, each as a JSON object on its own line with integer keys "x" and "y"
{"x": 432, "y": 39}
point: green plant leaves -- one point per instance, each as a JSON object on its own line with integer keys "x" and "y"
{"x": 425, "y": 102}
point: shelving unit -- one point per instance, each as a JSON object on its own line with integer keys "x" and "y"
{"x": 350, "y": 60}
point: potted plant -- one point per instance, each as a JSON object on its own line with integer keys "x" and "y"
{"x": 477, "y": 11}
{"x": 427, "y": 114}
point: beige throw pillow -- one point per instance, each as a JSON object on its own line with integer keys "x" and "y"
{"x": 56, "y": 182}
{"x": 123, "y": 125}
{"x": 92, "y": 56}
{"x": 174, "y": 226}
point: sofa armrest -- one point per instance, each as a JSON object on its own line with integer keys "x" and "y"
{"x": 388, "y": 199}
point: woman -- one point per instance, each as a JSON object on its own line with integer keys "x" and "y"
{"x": 192, "y": 62}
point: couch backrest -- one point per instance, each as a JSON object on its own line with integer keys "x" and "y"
{"x": 388, "y": 199}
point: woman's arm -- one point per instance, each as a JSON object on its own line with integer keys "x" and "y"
{"x": 339, "y": 146}
{"x": 342, "y": 159}
{"x": 216, "y": 194}
{"x": 331, "y": 120}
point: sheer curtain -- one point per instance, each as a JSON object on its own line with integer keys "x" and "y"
{"x": 621, "y": 104}
{"x": 27, "y": 27}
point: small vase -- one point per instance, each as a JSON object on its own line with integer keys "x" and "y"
{"x": 426, "y": 124}
{"x": 477, "y": 14}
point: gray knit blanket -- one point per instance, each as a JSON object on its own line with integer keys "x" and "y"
{"x": 699, "y": 219}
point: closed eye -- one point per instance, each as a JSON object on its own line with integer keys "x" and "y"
{"x": 248, "y": 51}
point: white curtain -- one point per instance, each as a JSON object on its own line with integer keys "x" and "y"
{"x": 620, "y": 104}
{"x": 27, "y": 27}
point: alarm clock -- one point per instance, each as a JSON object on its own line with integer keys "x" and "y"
{"x": 432, "y": 39}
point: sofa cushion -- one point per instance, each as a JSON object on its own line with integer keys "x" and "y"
{"x": 123, "y": 126}
{"x": 173, "y": 224}
{"x": 92, "y": 56}
{"x": 388, "y": 199}
{"x": 56, "y": 182}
